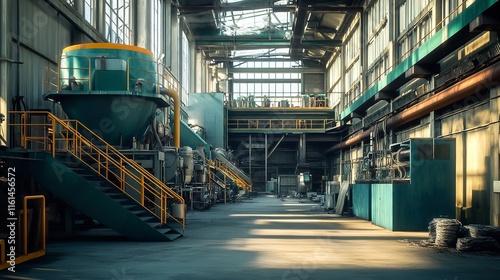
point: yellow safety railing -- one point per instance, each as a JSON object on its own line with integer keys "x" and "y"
{"x": 56, "y": 135}
{"x": 273, "y": 100}
{"x": 279, "y": 124}
{"x": 226, "y": 171}
{"x": 141, "y": 73}
{"x": 27, "y": 254}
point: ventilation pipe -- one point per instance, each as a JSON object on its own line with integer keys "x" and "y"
{"x": 177, "y": 114}
{"x": 482, "y": 80}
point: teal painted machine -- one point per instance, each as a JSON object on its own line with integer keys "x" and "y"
{"x": 111, "y": 88}
{"x": 423, "y": 188}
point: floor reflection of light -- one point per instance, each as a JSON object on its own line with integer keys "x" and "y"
{"x": 289, "y": 221}
{"x": 302, "y": 204}
{"x": 325, "y": 253}
{"x": 277, "y": 215}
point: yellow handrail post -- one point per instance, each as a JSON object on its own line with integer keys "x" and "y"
{"x": 24, "y": 130}
{"x": 225, "y": 189}
{"x": 161, "y": 207}
{"x": 107, "y": 163}
{"x": 53, "y": 144}
{"x": 25, "y": 220}
{"x": 122, "y": 176}
{"x": 142, "y": 190}
{"x": 2, "y": 251}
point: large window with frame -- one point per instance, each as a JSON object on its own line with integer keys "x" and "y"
{"x": 265, "y": 86}
{"x": 414, "y": 25}
{"x": 156, "y": 26}
{"x": 88, "y": 11}
{"x": 378, "y": 40}
{"x": 117, "y": 17}
{"x": 352, "y": 72}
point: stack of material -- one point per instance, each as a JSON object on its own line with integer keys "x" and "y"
{"x": 479, "y": 238}
{"x": 339, "y": 206}
{"x": 480, "y": 243}
{"x": 447, "y": 232}
{"x": 432, "y": 229}
{"x": 475, "y": 230}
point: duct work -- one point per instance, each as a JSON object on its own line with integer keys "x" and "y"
{"x": 476, "y": 83}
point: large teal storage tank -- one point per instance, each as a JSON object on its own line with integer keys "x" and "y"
{"x": 111, "y": 88}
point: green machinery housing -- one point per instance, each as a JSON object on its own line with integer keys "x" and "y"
{"x": 420, "y": 187}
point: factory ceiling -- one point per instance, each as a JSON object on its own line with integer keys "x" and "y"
{"x": 309, "y": 31}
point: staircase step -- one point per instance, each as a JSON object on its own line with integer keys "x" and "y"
{"x": 138, "y": 213}
{"x": 129, "y": 207}
{"x": 148, "y": 219}
{"x": 115, "y": 195}
{"x": 78, "y": 170}
{"x": 97, "y": 183}
{"x": 154, "y": 224}
{"x": 123, "y": 201}
{"x": 173, "y": 236}
{"x": 106, "y": 189}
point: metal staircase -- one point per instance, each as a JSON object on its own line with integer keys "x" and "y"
{"x": 92, "y": 176}
{"x": 231, "y": 171}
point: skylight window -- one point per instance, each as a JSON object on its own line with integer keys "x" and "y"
{"x": 251, "y": 22}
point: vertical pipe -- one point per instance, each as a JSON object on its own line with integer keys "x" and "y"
{"x": 250, "y": 155}
{"x": 141, "y": 19}
{"x": 99, "y": 17}
{"x": 177, "y": 115}
{"x": 4, "y": 69}
{"x": 79, "y": 6}
{"x": 302, "y": 148}
{"x": 265, "y": 158}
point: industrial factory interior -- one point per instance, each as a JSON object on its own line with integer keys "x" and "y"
{"x": 249, "y": 139}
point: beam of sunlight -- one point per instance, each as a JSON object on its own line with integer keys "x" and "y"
{"x": 291, "y": 221}
{"x": 324, "y": 253}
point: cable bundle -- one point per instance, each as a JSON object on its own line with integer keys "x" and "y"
{"x": 447, "y": 232}
{"x": 432, "y": 229}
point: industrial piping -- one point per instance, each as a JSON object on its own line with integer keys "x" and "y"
{"x": 484, "y": 79}
{"x": 177, "y": 114}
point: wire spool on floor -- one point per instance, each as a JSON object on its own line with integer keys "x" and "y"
{"x": 447, "y": 232}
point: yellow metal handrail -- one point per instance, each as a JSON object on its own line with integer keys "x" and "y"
{"x": 224, "y": 169}
{"x": 107, "y": 162}
{"x": 51, "y": 79}
{"x": 78, "y": 79}
{"x": 26, "y": 256}
{"x": 143, "y": 70}
{"x": 273, "y": 124}
{"x": 25, "y": 220}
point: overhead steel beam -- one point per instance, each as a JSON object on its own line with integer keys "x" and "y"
{"x": 299, "y": 27}
{"x": 189, "y": 10}
{"x": 277, "y": 70}
{"x": 334, "y": 9}
{"x": 186, "y": 10}
{"x": 248, "y": 44}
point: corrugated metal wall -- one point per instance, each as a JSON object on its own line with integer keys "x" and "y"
{"x": 313, "y": 83}
{"x": 43, "y": 33}
{"x": 476, "y": 133}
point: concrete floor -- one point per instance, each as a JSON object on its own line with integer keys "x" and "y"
{"x": 263, "y": 238}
